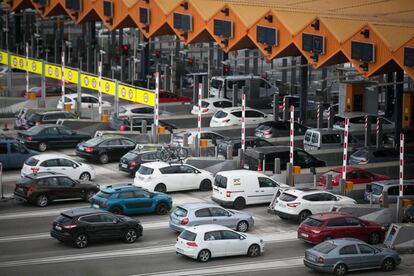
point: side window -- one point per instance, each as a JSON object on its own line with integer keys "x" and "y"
{"x": 364, "y": 175}
{"x": 238, "y": 114}
{"x": 336, "y": 222}
{"x": 352, "y": 222}
{"x": 312, "y": 197}
{"x": 16, "y": 148}
{"x": 115, "y": 142}
{"x": 213, "y": 235}
{"x": 50, "y": 163}
{"x": 365, "y": 249}
{"x": 126, "y": 195}
{"x": 202, "y": 213}
{"x": 3, "y": 148}
{"x": 308, "y": 136}
{"x": 229, "y": 235}
{"x": 52, "y": 182}
{"x": 85, "y": 100}
{"x": 66, "y": 163}
{"x": 253, "y": 114}
{"x": 393, "y": 190}
{"x": 226, "y": 104}
{"x": 91, "y": 219}
{"x": 170, "y": 170}
{"x": 218, "y": 212}
{"x": 142, "y": 194}
{"x": 218, "y": 104}
{"x": 106, "y": 218}
{"x": 52, "y": 131}
{"x": 186, "y": 169}
{"x": 315, "y": 138}
{"x": 126, "y": 142}
{"x": 93, "y": 100}
{"x": 266, "y": 183}
{"x": 351, "y": 175}
{"x": 331, "y": 139}
{"x": 65, "y": 131}
{"x": 408, "y": 189}
{"x": 328, "y": 197}
{"x": 348, "y": 250}
{"x": 66, "y": 182}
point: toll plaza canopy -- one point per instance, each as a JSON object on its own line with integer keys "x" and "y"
{"x": 376, "y": 36}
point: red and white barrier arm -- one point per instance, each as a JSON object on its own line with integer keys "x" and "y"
{"x": 345, "y": 158}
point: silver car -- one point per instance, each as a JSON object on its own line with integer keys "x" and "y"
{"x": 342, "y": 255}
{"x": 375, "y": 190}
{"x": 193, "y": 214}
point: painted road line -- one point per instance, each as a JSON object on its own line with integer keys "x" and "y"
{"x": 234, "y": 268}
{"x": 274, "y": 238}
{"x": 35, "y": 214}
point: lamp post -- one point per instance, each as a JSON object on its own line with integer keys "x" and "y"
{"x": 101, "y": 54}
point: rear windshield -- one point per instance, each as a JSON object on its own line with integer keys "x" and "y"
{"x": 35, "y": 130}
{"x": 325, "y": 247}
{"x": 145, "y": 170}
{"x": 313, "y": 222}
{"x": 35, "y": 117}
{"x": 104, "y": 194}
{"x": 94, "y": 141}
{"x": 64, "y": 219}
{"x": 130, "y": 156}
{"x": 31, "y": 161}
{"x": 287, "y": 197}
{"x": 376, "y": 189}
{"x": 220, "y": 114}
{"x": 308, "y": 135}
{"x": 180, "y": 212}
{"x": 188, "y": 236}
{"x": 360, "y": 153}
{"x": 204, "y": 104}
{"x": 220, "y": 181}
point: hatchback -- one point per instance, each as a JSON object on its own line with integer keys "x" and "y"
{"x": 87, "y": 101}
{"x": 359, "y": 177}
{"x": 342, "y": 255}
{"x": 365, "y": 155}
{"x": 212, "y": 105}
{"x": 357, "y": 122}
{"x": 326, "y": 226}
{"x": 82, "y": 225}
{"x": 232, "y": 116}
{"x": 190, "y": 214}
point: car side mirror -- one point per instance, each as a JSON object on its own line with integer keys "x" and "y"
{"x": 242, "y": 237}
{"x": 115, "y": 221}
{"x": 229, "y": 214}
{"x": 74, "y": 166}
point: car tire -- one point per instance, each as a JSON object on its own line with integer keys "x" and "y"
{"x": 205, "y": 185}
{"x": 340, "y": 269}
{"x": 160, "y": 188}
{"x": 204, "y": 256}
{"x": 253, "y": 251}
{"x": 117, "y": 210}
{"x": 242, "y": 226}
{"x": 103, "y": 158}
{"x": 89, "y": 194}
{"x": 388, "y": 264}
{"x": 161, "y": 209}
{"x": 42, "y": 200}
{"x": 374, "y": 238}
{"x": 85, "y": 176}
{"x": 130, "y": 236}
{"x": 81, "y": 240}
{"x": 303, "y": 215}
{"x": 42, "y": 147}
{"x": 239, "y": 203}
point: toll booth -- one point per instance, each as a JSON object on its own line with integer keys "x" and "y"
{"x": 408, "y": 110}
{"x": 400, "y": 237}
{"x": 357, "y": 96}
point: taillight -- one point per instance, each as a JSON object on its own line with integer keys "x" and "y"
{"x": 267, "y": 131}
{"x": 29, "y": 138}
{"x": 228, "y": 194}
{"x": 320, "y": 260}
{"x": 259, "y": 167}
{"x": 28, "y": 189}
{"x": 193, "y": 244}
{"x": 89, "y": 150}
{"x": 104, "y": 204}
{"x": 363, "y": 162}
{"x": 293, "y": 204}
{"x": 315, "y": 231}
{"x": 122, "y": 128}
{"x": 204, "y": 110}
{"x": 133, "y": 163}
{"x": 69, "y": 226}
{"x": 185, "y": 221}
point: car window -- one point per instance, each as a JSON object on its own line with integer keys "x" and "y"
{"x": 142, "y": 194}
{"x": 328, "y": 197}
{"x": 93, "y": 100}
{"x": 170, "y": 169}
{"x": 221, "y": 114}
{"x": 364, "y": 175}
{"x": 408, "y": 189}
{"x": 91, "y": 219}
{"x": 308, "y": 136}
{"x": 180, "y": 212}
{"x": 202, "y": 213}
{"x": 266, "y": 183}
{"x": 65, "y": 131}
{"x": 66, "y": 182}
{"x": 315, "y": 138}
{"x": 352, "y": 222}
{"x": 126, "y": 142}
{"x": 303, "y": 156}
{"x": 188, "y": 235}
{"x": 287, "y": 197}
{"x": 229, "y": 235}
{"x": 186, "y": 169}
{"x": 51, "y": 131}
{"x": 50, "y": 163}
{"x": 106, "y": 218}
{"x": 365, "y": 249}
{"x": 3, "y": 148}
{"x": 331, "y": 139}
{"x": 253, "y": 114}
{"x": 218, "y": 212}
{"x": 126, "y": 195}
{"x": 348, "y": 250}
{"x": 351, "y": 175}
{"x": 312, "y": 222}
{"x": 220, "y": 181}
{"x": 51, "y": 182}
{"x": 17, "y": 148}
{"x": 213, "y": 235}
{"x": 146, "y": 171}
{"x": 393, "y": 190}
{"x": 226, "y": 104}
{"x": 313, "y": 197}
{"x": 114, "y": 142}
{"x": 238, "y": 114}
{"x": 361, "y": 120}
{"x": 325, "y": 247}
{"x": 66, "y": 163}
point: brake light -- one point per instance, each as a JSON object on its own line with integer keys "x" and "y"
{"x": 228, "y": 194}
{"x": 259, "y": 167}
{"x": 89, "y": 150}
{"x": 133, "y": 163}
{"x": 122, "y": 128}
{"x": 293, "y": 204}
{"x": 29, "y": 138}
{"x": 204, "y": 110}
{"x": 192, "y": 244}
{"x": 69, "y": 226}
{"x": 267, "y": 131}
{"x": 320, "y": 260}
{"x": 28, "y": 189}
{"x": 104, "y": 204}
{"x": 185, "y": 221}
{"x": 363, "y": 162}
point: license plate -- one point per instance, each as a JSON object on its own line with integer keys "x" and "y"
{"x": 304, "y": 235}
{"x": 57, "y": 227}
{"x": 95, "y": 206}
{"x": 124, "y": 165}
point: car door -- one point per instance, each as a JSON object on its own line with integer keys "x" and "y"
{"x": 355, "y": 229}
{"x": 327, "y": 201}
{"x": 336, "y": 228}
{"x": 368, "y": 256}
{"x": 51, "y": 136}
{"x": 267, "y": 189}
{"x": 129, "y": 202}
{"x": 203, "y": 216}
{"x": 350, "y": 256}
{"x": 18, "y": 153}
{"x": 51, "y": 165}
{"x": 253, "y": 117}
{"x": 69, "y": 168}
{"x": 303, "y": 159}
{"x": 112, "y": 147}
{"x": 69, "y": 188}
{"x": 215, "y": 243}
{"x": 188, "y": 177}
{"x": 223, "y": 217}
{"x": 53, "y": 187}
{"x": 94, "y": 225}
{"x": 126, "y": 146}
{"x": 68, "y": 137}
{"x": 234, "y": 244}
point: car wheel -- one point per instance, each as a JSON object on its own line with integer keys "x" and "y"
{"x": 85, "y": 176}
{"x": 303, "y": 215}
{"x": 242, "y": 226}
{"x": 253, "y": 251}
{"x": 204, "y": 256}
{"x": 116, "y": 210}
{"x": 42, "y": 200}
{"x": 81, "y": 240}
{"x": 374, "y": 238}
{"x": 103, "y": 158}
{"x": 130, "y": 236}
{"x": 205, "y": 185}
{"x": 161, "y": 208}
{"x": 89, "y": 195}
{"x": 160, "y": 188}
{"x": 388, "y": 264}
{"x": 239, "y": 203}
{"x": 42, "y": 147}
{"x": 340, "y": 270}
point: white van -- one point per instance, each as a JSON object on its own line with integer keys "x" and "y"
{"x": 239, "y": 188}
{"x": 324, "y": 138}
{"x": 222, "y": 85}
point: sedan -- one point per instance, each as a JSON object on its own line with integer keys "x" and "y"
{"x": 342, "y": 255}
{"x": 210, "y": 241}
{"x": 212, "y": 105}
{"x": 105, "y": 148}
{"x": 278, "y": 129}
{"x": 43, "y": 137}
{"x": 359, "y": 177}
{"x": 169, "y": 97}
{"x": 191, "y": 214}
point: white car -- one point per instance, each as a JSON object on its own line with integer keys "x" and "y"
{"x": 233, "y": 117}
{"x": 87, "y": 101}
{"x": 164, "y": 177}
{"x": 211, "y": 137}
{"x": 298, "y": 204}
{"x": 357, "y": 122}
{"x": 58, "y": 163}
{"x": 138, "y": 110}
{"x": 212, "y": 105}
{"x": 208, "y": 241}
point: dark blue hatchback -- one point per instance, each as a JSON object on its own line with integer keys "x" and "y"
{"x": 128, "y": 199}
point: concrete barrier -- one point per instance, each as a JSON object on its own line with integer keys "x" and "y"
{"x": 211, "y": 164}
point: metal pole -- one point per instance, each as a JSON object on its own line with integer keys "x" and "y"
{"x": 27, "y": 70}
{"x": 379, "y": 133}
{"x": 63, "y": 78}
{"x": 100, "y": 88}
{"x": 276, "y": 107}
{"x": 156, "y": 114}
{"x": 243, "y": 126}
{"x": 345, "y": 158}
{"x": 79, "y": 92}
{"x": 292, "y": 124}
{"x": 401, "y": 181}
{"x": 116, "y": 97}
{"x": 319, "y": 117}
{"x": 1, "y": 180}
{"x": 277, "y": 166}
{"x": 200, "y": 95}
{"x": 367, "y": 131}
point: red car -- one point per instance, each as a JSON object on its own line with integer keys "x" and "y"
{"x": 169, "y": 97}
{"x": 359, "y": 177}
{"x": 320, "y": 227}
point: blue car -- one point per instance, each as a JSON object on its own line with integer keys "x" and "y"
{"x": 13, "y": 154}
{"x": 128, "y": 199}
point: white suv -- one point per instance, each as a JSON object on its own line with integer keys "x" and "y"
{"x": 233, "y": 117}
{"x": 298, "y": 204}
{"x": 164, "y": 177}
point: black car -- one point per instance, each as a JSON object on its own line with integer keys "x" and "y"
{"x": 250, "y": 142}
{"x": 82, "y": 225}
{"x": 105, "y": 148}
{"x": 51, "y": 117}
{"x": 47, "y": 136}
{"x": 124, "y": 123}
{"x": 131, "y": 161}
{"x": 43, "y": 188}
{"x": 254, "y": 158}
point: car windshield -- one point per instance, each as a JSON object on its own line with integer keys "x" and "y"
{"x": 313, "y": 222}
{"x": 220, "y": 181}
{"x": 220, "y": 114}
{"x": 287, "y": 197}
{"x": 104, "y": 194}
{"x": 332, "y": 173}
{"x": 35, "y": 117}
{"x": 145, "y": 170}
{"x": 122, "y": 110}
{"x": 130, "y": 156}
{"x": 188, "y": 236}
{"x": 376, "y": 189}
{"x": 180, "y": 212}
{"x": 31, "y": 161}
{"x": 324, "y": 247}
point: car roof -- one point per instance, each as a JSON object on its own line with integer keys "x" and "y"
{"x": 206, "y": 227}
{"x": 212, "y": 100}
{"x": 303, "y": 191}
{"x": 159, "y": 164}
{"x": 197, "y": 205}
{"x": 47, "y": 156}
{"x": 393, "y": 182}
{"x": 75, "y": 95}
{"x": 131, "y": 106}
{"x": 348, "y": 169}
{"x": 120, "y": 188}
{"x": 330, "y": 215}
{"x": 82, "y": 211}
{"x": 238, "y": 139}
{"x": 345, "y": 241}
{"x": 270, "y": 149}
{"x": 238, "y": 173}
{"x": 237, "y": 108}
{"x": 326, "y": 130}
{"x": 40, "y": 175}
{"x": 357, "y": 114}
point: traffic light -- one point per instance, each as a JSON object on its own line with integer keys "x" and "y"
{"x": 125, "y": 49}
{"x": 226, "y": 70}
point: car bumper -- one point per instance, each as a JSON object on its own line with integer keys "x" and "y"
{"x": 176, "y": 227}
{"x": 127, "y": 169}
{"x": 310, "y": 238}
{"x": 286, "y": 215}
{"x": 321, "y": 268}
{"x": 193, "y": 253}
{"x": 20, "y": 197}
{"x": 64, "y": 237}
{"x": 222, "y": 202}
{"x": 85, "y": 155}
